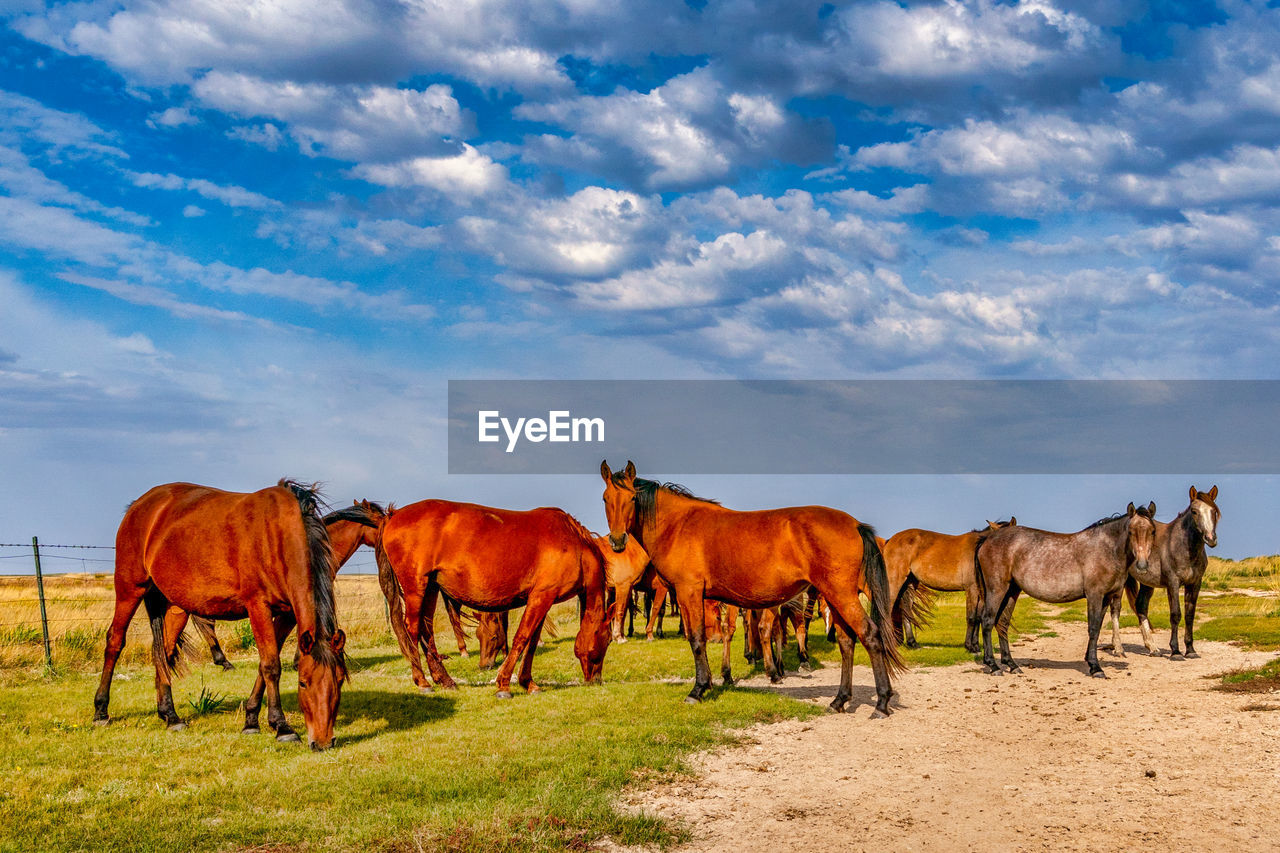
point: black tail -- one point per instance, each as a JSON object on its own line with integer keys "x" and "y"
{"x": 977, "y": 572}
{"x": 395, "y": 600}
{"x": 876, "y": 576}
{"x": 176, "y": 663}
{"x": 913, "y": 607}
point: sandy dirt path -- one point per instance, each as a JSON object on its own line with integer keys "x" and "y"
{"x": 1049, "y": 760}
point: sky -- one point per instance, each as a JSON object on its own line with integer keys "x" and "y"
{"x": 242, "y": 240}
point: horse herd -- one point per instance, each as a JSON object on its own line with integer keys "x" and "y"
{"x": 187, "y": 551}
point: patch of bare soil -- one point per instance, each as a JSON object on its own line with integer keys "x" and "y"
{"x": 1047, "y": 760}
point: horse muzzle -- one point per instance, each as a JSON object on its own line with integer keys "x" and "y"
{"x": 618, "y": 545}
{"x": 1211, "y": 542}
{"x": 1142, "y": 565}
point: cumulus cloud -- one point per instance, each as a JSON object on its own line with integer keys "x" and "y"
{"x": 466, "y": 174}
{"x": 349, "y": 122}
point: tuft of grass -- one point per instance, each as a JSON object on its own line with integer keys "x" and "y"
{"x": 242, "y": 636}
{"x": 207, "y": 701}
{"x": 1263, "y": 679}
{"x": 21, "y": 635}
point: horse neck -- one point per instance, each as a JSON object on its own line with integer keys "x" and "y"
{"x": 1185, "y": 537}
{"x": 1114, "y": 532}
{"x": 346, "y": 537}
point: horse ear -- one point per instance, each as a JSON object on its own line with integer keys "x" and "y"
{"x": 338, "y": 641}
{"x": 1131, "y": 509}
{"x": 1213, "y": 493}
{"x": 1193, "y": 493}
{"x": 306, "y": 642}
{"x": 1013, "y": 521}
{"x": 630, "y": 471}
{"x": 605, "y": 473}
{"x": 1151, "y": 509}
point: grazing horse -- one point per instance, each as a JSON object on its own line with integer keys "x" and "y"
{"x": 1059, "y": 567}
{"x": 493, "y": 560}
{"x": 227, "y": 555}
{"x": 1179, "y": 560}
{"x": 757, "y": 560}
{"x": 937, "y": 561}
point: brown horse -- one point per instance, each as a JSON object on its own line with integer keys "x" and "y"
{"x": 757, "y": 560}
{"x": 625, "y": 568}
{"x": 227, "y": 555}
{"x": 493, "y": 560}
{"x": 1178, "y": 561}
{"x": 937, "y": 561}
{"x": 1059, "y": 567}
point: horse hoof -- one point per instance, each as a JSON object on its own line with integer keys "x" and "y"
{"x": 995, "y": 670}
{"x": 1097, "y": 673}
{"x": 1176, "y": 656}
{"x": 251, "y": 731}
{"x": 177, "y": 727}
{"x": 728, "y": 682}
{"x": 504, "y": 694}
{"x": 463, "y": 653}
{"x": 877, "y": 714}
{"x": 105, "y": 721}
{"x": 288, "y": 737}
{"x": 692, "y": 700}
{"x": 912, "y": 645}
{"x": 620, "y": 640}
{"x": 1192, "y": 655}
{"x": 227, "y": 666}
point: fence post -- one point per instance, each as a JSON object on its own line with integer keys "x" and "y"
{"x": 44, "y": 615}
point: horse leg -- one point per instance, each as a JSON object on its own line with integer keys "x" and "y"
{"x": 435, "y": 664}
{"x": 655, "y": 611}
{"x": 972, "y": 617}
{"x": 1191, "y": 593}
{"x": 768, "y": 642}
{"x": 621, "y": 605}
{"x": 412, "y": 633}
{"x": 175, "y": 622}
{"x": 281, "y": 625}
{"x": 128, "y": 597}
{"x": 157, "y": 607}
{"x": 728, "y": 625}
{"x": 396, "y": 603}
{"x": 993, "y": 600}
{"x": 206, "y": 630}
{"x": 852, "y": 618}
{"x": 525, "y": 679}
{"x": 802, "y": 644}
{"x": 264, "y": 633}
{"x": 1175, "y": 616}
{"x": 535, "y": 612}
{"x": 1002, "y": 627}
{"x": 692, "y": 605}
{"x": 1141, "y": 603}
{"x": 1094, "y": 606}
{"x": 454, "y": 612}
{"x": 1117, "y": 647}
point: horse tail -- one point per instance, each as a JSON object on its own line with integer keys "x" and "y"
{"x": 178, "y": 662}
{"x": 876, "y": 576}
{"x": 914, "y": 606}
{"x": 355, "y": 513}
{"x": 392, "y": 592}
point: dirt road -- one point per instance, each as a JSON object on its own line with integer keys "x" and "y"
{"x": 1049, "y": 760}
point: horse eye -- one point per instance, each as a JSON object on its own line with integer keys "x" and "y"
{"x": 302, "y": 685}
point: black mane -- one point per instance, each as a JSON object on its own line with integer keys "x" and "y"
{"x": 320, "y": 562}
{"x": 646, "y": 497}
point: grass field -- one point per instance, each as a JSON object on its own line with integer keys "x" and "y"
{"x": 443, "y": 771}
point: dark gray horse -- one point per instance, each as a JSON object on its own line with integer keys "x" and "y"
{"x": 1059, "y": 567}
{"x": 1178, "y": 561}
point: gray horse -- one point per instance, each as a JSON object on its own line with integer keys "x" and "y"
{"x": 1179, "y": 561}
{"x": 1059, "y": 567}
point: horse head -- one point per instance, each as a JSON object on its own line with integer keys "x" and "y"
{"x": 619, "y": 503}
{"x": 1204, "y": 508}
{"x": 1142, "y": 534}
{"x": 322, "y": 669}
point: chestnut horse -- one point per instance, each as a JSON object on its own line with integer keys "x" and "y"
{"x": 1179, "y": 561}
{"x": 493, "y": 560}
{"x": 937, "y": 561}
{"x": 1059, "y": 567}
{"x": 757, "y": 560}
{"x": 228, "y": 555}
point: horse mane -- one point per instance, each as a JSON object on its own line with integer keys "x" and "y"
{"x": 319, "y": 562}
{"x": 647, "y": 497}
{"x": 1107, "y": 520}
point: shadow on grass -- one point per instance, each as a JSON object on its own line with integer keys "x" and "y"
{"x": 400, "y": 711}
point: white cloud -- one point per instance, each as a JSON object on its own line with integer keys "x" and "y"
{"x": 468, "y": 174}
{"x": 231, "y": 196}
{"x": 350, "y": 122}
{"x": 172, "y": 117}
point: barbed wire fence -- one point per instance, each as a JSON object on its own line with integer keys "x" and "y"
{"x": 46, "y": 560}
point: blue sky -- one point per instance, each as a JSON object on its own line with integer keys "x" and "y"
{"x": 240, "y": 240}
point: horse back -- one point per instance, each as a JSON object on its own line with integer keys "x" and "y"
{"x": 938, "y": 560}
